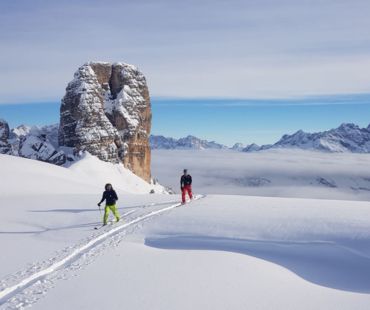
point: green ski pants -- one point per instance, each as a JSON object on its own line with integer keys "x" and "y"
{"x": 113, "y": 208}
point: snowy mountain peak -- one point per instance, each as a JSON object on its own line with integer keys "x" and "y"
{"x": 238, "y": 146}
{"x": 20, "y": 131}
{"x": 347, "y": 127}
{"x": 251, "y": 148}
{"x": 347, "y": 137}
{"x": 189, "y": 142}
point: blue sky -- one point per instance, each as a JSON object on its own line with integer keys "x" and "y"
{"x": 227, "y": 120}
{"x": 214, "y": 50}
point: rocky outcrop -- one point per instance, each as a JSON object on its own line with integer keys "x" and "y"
{"x": 37, "y": 145}
{"x": 32, "y": 142}
{"x": 106, "y": 111}
{"x": 5, "y": 147}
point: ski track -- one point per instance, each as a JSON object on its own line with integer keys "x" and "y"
{"x": 32, "y": 283}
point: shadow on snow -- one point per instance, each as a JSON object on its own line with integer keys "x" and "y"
{"x": 324, "y": 263}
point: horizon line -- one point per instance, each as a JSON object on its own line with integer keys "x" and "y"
{"x": 289, "y": 100}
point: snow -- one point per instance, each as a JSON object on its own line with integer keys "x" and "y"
{"x": 322, "y": 241}
{"x": 92, "y": 170}
{"x": 234, "y": 252}
{"x": 345, "y": 138}
{"x": 189, "y": 142}
{"x": 129, "y": 98}
{"x": 218, "y": 252}
{"x": 83, "y": 176}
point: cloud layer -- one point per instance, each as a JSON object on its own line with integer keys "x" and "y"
{"x": 238, "y": 49}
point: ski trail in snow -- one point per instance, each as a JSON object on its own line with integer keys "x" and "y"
{"x": 8, "y": 292}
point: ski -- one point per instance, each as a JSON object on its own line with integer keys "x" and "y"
{"x": 110, "y": 223}
{"x": 195, "y": 197}
{"x": 114, "y": 222}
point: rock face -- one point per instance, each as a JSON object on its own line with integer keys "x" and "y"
{"x": 37, "y": 144}
{"x": 189, "y": 142}
{"x": 31, "y": 142}
{"x": 5, "y": 147}
{"x": 106, "y": 111}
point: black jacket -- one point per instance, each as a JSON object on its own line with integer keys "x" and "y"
{"x": 185, "y": 180}
{"x": 110, "y": 197}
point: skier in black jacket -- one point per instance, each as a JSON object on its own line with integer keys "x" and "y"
{"x": 185, "y": 184}
{"x": 110, "y": 197}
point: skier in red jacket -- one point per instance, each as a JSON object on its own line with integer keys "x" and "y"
{"x": 185, "y": 184}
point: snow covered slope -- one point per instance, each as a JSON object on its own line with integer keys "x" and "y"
{"x": 21, "y": 176}
{"x": 219, "y": 252}
{"x": 233, "y": 252}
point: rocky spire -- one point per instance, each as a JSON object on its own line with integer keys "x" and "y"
{"x": 106, "y": 111}
{"x": 5, "y": 147}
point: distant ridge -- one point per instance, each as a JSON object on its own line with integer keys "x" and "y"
{"x": 189, "y": 142}
{"x": 347, "y": 137}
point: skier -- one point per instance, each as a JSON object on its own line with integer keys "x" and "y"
{"x": 185, "y": 184}
{"x": 110, "y": 197}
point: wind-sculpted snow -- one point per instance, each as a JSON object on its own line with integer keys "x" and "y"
{"x": 87, "y": 175}
{"x": 52, "y": 219}
{"x": 40, "y": 277}
{"x": 230, "y": 252}
{"x": 324, "y": 242}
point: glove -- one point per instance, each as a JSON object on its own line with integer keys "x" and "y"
{"x": 99, "y": 204}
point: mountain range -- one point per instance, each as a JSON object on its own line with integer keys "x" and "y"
{"x": 189, "y": 142}
{"x": 347, "y": 137}
{"x": 41, "y": 143}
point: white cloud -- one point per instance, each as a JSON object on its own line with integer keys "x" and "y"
{"x": 189, "y": 49}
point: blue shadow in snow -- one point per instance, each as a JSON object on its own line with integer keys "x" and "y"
{"x": 102, "y": 208}
{"x": 323, "y": 263}
{"x": 43, "y": 229}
